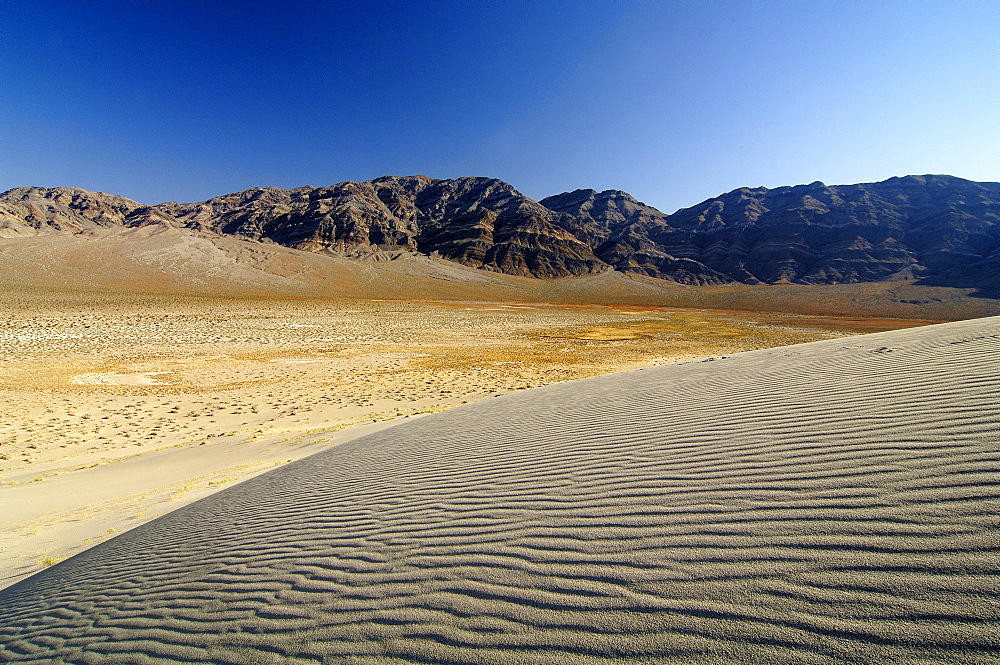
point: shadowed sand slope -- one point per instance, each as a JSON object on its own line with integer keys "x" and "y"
{"x": 830, "y": 502}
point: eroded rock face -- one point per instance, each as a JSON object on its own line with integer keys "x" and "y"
{"x": 28, "y": 211}
{"x": 633, "y": 237}
{"x": 486, "y": 223}
{"x": 480, "y": 222}
{"x": 940, "y": 228}
{"x": 899, "y": 228}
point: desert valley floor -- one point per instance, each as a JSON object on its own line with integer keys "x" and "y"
{"x": 119, "y": 408}
{"x": 822, "y": 502}
{"x": 828, "y": 502}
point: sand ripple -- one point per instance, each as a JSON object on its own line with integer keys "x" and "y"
{"x": 837, "y": 502}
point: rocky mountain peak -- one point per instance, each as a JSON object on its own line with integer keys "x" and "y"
{"x": 38, "y": 210}
{"x": 943, "y": 229}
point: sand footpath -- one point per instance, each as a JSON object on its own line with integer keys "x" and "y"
{"x": 833, "y": 502}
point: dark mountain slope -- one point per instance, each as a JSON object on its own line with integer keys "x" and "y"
{"x": 940, "y": 229}
{"x": 628, "y": 235}
{"x": 480, "y": 222}
{"x": 901, "y": 227}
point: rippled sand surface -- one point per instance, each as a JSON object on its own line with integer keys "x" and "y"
{"x": 833, "y": 502}
{"x": 116, "y": 408}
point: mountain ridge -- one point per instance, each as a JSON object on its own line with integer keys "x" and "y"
{"x": 940, "y": 229}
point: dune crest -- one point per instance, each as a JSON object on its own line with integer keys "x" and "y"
{"x": 821, "y": 503}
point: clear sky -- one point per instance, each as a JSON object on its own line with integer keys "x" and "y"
{"x": 672, "y": 101}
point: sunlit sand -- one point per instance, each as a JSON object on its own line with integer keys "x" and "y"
{"x": 120, "y": 408}
{"x": 830, "y": 502}
{"x": 113, "y": 379}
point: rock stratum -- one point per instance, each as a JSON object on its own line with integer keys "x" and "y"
{"x": 938, "y": 229}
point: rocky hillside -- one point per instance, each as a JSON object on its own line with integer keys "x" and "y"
{"x": 940, "y": 229}
{"x": 479, "y": 222}
{"x": 28, "y": 211}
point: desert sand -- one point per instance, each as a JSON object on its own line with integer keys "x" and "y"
{"x": 830, "y": 502}
{"x": 119, "y": 408}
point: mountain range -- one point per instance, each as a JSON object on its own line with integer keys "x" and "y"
{"x": 937, "y": 229}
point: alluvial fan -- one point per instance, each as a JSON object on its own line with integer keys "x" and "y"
{"x": 834, "y": 502}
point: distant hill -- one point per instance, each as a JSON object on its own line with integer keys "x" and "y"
{"x": 937, "y": 229}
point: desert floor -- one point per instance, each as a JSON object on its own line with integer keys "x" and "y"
{"x": 830, "y": 503}
{"x": 118, "y": 409}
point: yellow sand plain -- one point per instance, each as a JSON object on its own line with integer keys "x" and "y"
{"x": 832, "y": 503}
{"x": 119, "y": 408}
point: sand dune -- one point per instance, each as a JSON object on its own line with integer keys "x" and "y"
{"x": 156, "y": 401}
{"x": 833, "y": 502}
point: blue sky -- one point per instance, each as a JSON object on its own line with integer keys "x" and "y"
{"x": 673, "y": 102}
